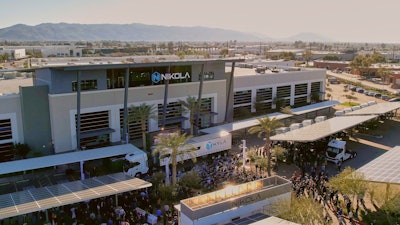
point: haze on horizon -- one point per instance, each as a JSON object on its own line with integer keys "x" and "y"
{"x": 340, "y": 20}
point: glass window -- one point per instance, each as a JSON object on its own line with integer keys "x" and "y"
{"x": 85, "y": 85}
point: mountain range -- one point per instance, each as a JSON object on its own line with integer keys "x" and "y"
{"x": 134, "y": 32}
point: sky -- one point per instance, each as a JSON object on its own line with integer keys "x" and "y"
{"x": 337, "y": 20}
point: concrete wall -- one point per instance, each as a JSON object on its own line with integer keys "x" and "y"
{"x": 35, "y": 117}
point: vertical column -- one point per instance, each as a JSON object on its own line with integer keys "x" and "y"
{"x": 274, "y": 96}
{"x": 292, "y": 94}
{"x": 309, "y": 92}
{"x": 78, "y": 110}
{"x": 229, "y": 96}
{"x": 196, "y": 128}
{"x": 164, "y": 117}
{"x": 253, "y": 99}
{"x": 125, "y": 134}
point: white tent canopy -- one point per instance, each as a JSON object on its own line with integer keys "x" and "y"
{"x": 65, "y": 158}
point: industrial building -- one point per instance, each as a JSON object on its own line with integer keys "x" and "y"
{"x": 94, "y": 99}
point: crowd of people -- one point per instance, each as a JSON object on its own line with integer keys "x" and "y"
{"x": 222, "y": 169}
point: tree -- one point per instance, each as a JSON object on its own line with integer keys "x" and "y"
{"x": 174, "y": 146}
{"x": 300, "y": 210}
{"x": 142, "y": 113}
{"x": 21, "y": 150}
{"x": 266, "y": 127}
{"x": 384, "y": 73}
{"x": 307, "y": 55}
{"x": 224, "y": 52}
{"x": 349, "y": 182}
{"x": 192, "y": 105}
{"x": 361, "y": 64}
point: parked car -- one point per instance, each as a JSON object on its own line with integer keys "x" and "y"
{"x": 385, "y": 97}
{"x": 394, "y": 99}
{"x": 371, "y": 93}
{"x": 366, "y": 92}
{"x": 378, "y": 95}
{"x": 360, "y": 90}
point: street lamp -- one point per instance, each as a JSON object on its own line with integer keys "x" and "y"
{"x": 244, "y": 153}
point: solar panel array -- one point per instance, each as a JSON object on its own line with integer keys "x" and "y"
{"x": 36, "y": 199}
{"x": 385, "y": 168}
{"x": 322, "y": 129}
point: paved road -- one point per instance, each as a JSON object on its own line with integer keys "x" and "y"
{"x": 355, "y": 78}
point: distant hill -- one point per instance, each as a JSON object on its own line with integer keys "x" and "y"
{"x": 121, "y": 32}
{"x": 308, "y": 37}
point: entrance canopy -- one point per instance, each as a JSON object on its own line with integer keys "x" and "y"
{"x": 65, "y": 158}
{"x": 37, "y": 199}
{"x": 314, "y": 107}
{"x": 385, "y": 168}
{"x": 242, "y": 124}
{"x": 322, "y": 129}
{"x": 377, "y": 109}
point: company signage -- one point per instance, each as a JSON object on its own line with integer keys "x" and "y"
{"x": 156, "y": 77}
{"x": 214, "y": 143}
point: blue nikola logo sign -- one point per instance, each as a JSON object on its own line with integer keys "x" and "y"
{"x": 157, "y": 77}
{"x": 209, "y": 145}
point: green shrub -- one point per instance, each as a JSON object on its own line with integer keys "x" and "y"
{"x": 9, "y": 76}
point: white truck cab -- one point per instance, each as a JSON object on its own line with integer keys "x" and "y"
{"x": 337, "y": 151}
{"x": 136, "y": 163}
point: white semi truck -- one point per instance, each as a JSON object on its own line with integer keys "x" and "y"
{"x": 136, "y": 163}
{"x": 337, "y": 151}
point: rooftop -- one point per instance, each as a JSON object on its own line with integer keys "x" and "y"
{"x": 234, "y": 196}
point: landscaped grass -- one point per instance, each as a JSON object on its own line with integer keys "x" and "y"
{"x": 350, "y": 104}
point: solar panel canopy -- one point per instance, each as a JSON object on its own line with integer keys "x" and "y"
{"x": 377, "y": 109}
{"x": 385, "y": 168}
{"x": 37, "y": 199}
{"x": 322, "y": 129}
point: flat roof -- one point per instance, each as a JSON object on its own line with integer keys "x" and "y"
{"x": 242, "y": 124}
{"x": 377, "y": 109}
{"x": 65, "y": 158}
{"x": 85, "y": 66}
{"x": 322, "y": 129}
{"x": 314, "y": 107}
{"x": 261, "y": 219}
{"x": 235, "y": 196}
{"x": 385, "y": 168}
{"x": 37, "y": 199}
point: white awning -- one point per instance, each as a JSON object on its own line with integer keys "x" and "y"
{"x": 65, "y": 158}
{"x": 385, "y": 168}
{"x": 314, "y": 107}
{"x": 242, "y": 124}
{"x": 322, "y": 129}
{"x": 37, "y": 199}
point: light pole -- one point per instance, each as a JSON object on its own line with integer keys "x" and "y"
{"x": 244, "y": 153}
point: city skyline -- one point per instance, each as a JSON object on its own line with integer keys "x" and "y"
{"x": 344, "y": 21}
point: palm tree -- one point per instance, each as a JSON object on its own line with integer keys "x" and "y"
{"x": 174, "y": 146}
{"x": 192, "y": 105}
{"x": 266, "y": 127}
{"x": 142, "y": 113}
